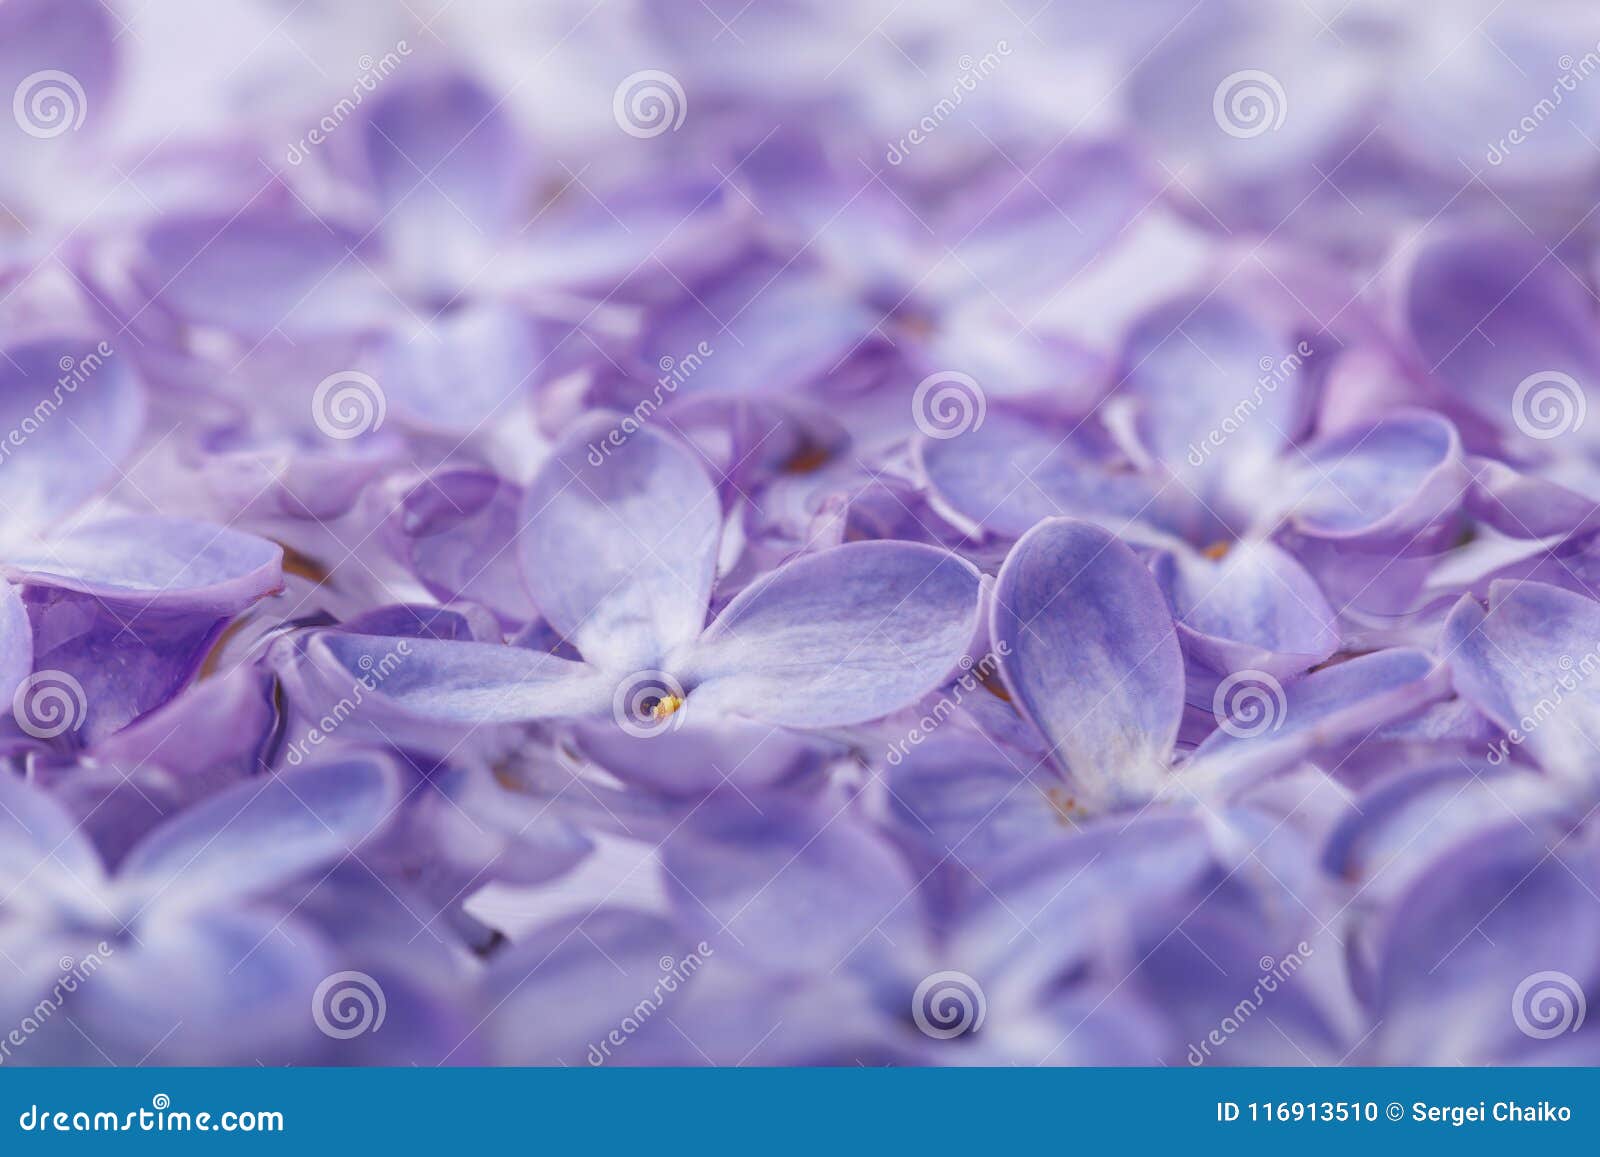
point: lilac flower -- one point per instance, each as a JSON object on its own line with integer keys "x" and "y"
{"x": 832, "y": 639}
{"x": 191, "y": 899}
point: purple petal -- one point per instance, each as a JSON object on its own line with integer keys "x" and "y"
{"x": 1394, "y": 479}
{"x": 1488, "y": 311}
{"x": 1011, "y": 472}
{"x": 1265, "y": 725}
{"x": 261, "y": 834}
{"x": 461, "y": 682}
{"x": 1528, "y": 664}
{"x": 796, "y": 889}
{"x": 1255, "y": 607}
{"x": 304, "y": 279}
{"x": 71, "y": 410}
{"x": 838, "y": 637}
{"x": 449, "y": 173}
{"x": 169, "y": 564}
{"x": 1090, "y": 655}
{"x": 619, "y": 542}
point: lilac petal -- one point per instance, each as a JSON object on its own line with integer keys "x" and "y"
{"x": 1488, "y": 312}
{"x": 702, "y": 754}
{"x": 972, "y": 804}
{"x": 1011, "y": 472}
{"x": 461, "y": 371}
{"x": 449, "y": 173}
{"x": 787, "y": 330}
{"x": 465, "y": 683}
{"x": 1528, "y": 664}
{"x": 39, "y": 842}
{"x": 1265, "y": 725}
{"x": 1091, "y": 657}
{"x": 70, "y": 410}
{"x": 304, "y": 279}
{"x": 1393, "y": 479}
{"x": 169, "y": 564}
{"x": 1020, "y": 240}
{"x": 16, "y": 642}
{"x": 75, "y": 37}
{"x": 1256, "y": 607}
{"x": 1527, "y": 506}
{"x": 838, "y": 637}
{"x": 261, "y": 834}
{"x": 1477, "y": 925}
{"x": 1399, "y": 826}
{"x": 568, "y": 994}
{"x": 619, "y": 542}
{"x": 210, "y": 736}
{"x": 795, "y": 888}
{"x": 1213, "y": 404}
{"x": 245, "y": 992}
{"x": 457, "y": 530}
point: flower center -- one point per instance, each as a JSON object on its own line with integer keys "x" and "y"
{"x": 665, "y": 706}
{"x": 1217, "y": 549}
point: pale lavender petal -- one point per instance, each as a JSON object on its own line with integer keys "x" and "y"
{"x": 838, "y": 637}
{"x": 619, "y": 542}
{"x": 1091, "y": 657}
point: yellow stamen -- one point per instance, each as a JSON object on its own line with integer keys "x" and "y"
{"x": 666, "y": 706}
{"x": 1217, "y": 550}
